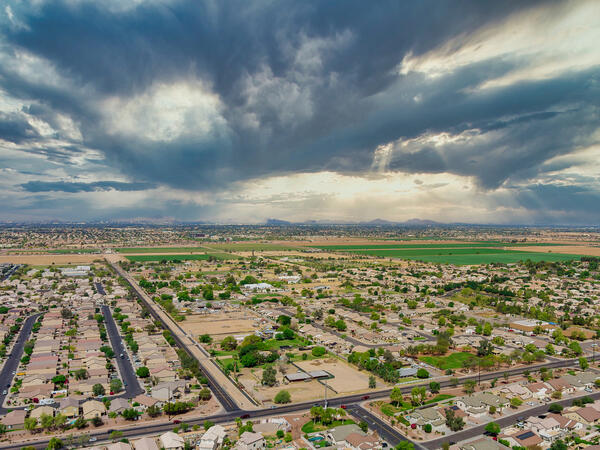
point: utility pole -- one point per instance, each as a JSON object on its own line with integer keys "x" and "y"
{"x": 325, "y": 393}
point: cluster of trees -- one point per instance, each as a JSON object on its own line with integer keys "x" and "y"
{"x": 252, "y": 352}
{"x": 338, "y": 324}
{"x": 387, "y": 370}
{"x": 326, "y": 416}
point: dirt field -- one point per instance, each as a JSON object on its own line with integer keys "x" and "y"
{"x": 300, "y": 391}
{"x": 567, "y": 249}
{"x": 346, "y": 379}
{"x": 48, "y": 260}
{"x": 219, "y": 325}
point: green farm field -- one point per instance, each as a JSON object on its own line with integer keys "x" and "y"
{"x": 466, "y": 256}
{"x": 160, "y": 249}
{"x": 250, "y": 246}
{"x": 145, "y": 258}
{"x": 428, "y": 246}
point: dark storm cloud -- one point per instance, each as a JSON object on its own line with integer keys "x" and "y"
{"x": 73, "y": 187}
{"x": 303, "y": 86}
{"x": 228, "y": 43}
{"x": 15, "y": 128}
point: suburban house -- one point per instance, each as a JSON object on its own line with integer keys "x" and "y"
{"x": 171, "y": 441}
{"x": 426, "y": 416}
{"x": 69, "y": 407}
{"x": 213, "y": 438}
{"x": 338, "y": 435}
{"x": 37, "y": 412}
{"x": 14, "y": 419}
{"x": 560, "y": 385}
{"x": 482, "y": 444}
{"x": 539, "y": 390}
{"x": 145, "y": 443}
{"x": 93, "y": 408}
{"x": 525, "y": 439}
{"x": 548, "y": 428}
{"x": 118, "y": 405}
{"x": 250, "y": 441}
{"x": 478, "y": 404}
{"x": 587, "y": 415}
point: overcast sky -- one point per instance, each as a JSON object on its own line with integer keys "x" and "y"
{"x": 238, "y": 110}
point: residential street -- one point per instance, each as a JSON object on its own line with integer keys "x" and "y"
{"x": 12, "y": 363}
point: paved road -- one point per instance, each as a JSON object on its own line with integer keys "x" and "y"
{"x": 386, "y": 432}
{"x": 12, "y": 362}
{"x": 502, "y": 421}
{"x": 130, "y": 381}
{"x": 230, "y": 397}
{"x": 9, "y": 272}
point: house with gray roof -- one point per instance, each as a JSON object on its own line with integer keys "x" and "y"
{"x": 425, "y": 416}
{"x": 478, "y": 404}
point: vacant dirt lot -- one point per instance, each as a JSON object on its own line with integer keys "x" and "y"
{"x": 300, "y": 391}
{"x": 219, "y": 325}
{"x": 346, "y": 379}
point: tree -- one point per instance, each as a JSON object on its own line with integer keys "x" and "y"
{"x": 427, "y": 428}
{"x": 555, "y": 408}
{"x": 282, "y": 397}
{"x": 318, "y": 351}
{"x": 153, "y": 411}
{"x": 81, "y": 374}
{"x": 204, "y": 394}
{"x": 492, "y": 409}
{"x": 208, "y": 424}
{"x": 487, "y": 329}
{"x": 396, "y": 396}
{"x": 115, "y": 385}
{"x": 59, "y": 420}
{"x": 418, "y": 395}
{"x": 469, "y": 386}
{"x": 130, "y": 414}
{"x": 269, "y": 376}
{"x": 205, "y": 339}
{"x": 485, "y": 348}
{"x": 364, "y": 426}
{"x": 229, "y": 343}
{"x": 31, "y": 423}
{"x": 558, "y": 445}
{"x": 55, "y": 444}
{"x": 422, "y": 373}
{"x": 372, "y": 382}
{"x": 59, "y": 379}
{"x": 434, "y": 387}
{"x": 97, "y": 421}
{"x": 46, "y": 421}
{"x": 454, "y": 422}
{"x": 492, "y": 428}
{"x": 575, "y": 348}
{"x": 583, "y": 363}
{"x": 515, "y": 402}
{"x": 98, "y": 390}
{"x": 143, "y": 372}
{"x": 405, "y": 445}
{"x": 80, "y": 423}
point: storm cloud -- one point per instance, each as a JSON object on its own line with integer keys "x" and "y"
{"x": 206, "y": 97}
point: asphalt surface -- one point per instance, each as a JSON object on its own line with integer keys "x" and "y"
{"x": 502, "y": 421}
{"x": 12, "y": 362}
{"x": 221, "y": 394}
{"x": 386, "y": 432}
{"x": 130, "y": 381}
{"x": 9, "y": 272}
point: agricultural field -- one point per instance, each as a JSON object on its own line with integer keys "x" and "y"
{"x": 431, "y": 246}
{"x": 160, "y": 249}
{"x": 466, "y": 256}
{"x": 191, "y": 257}
{"x": 251, "y": 246}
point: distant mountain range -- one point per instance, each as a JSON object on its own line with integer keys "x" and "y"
{"x": 375, "y": 222}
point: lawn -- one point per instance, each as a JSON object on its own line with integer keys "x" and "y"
{"x": 439, "y": 398}
{"x": 145, "y": 258}
{"x": 69, "y": 251}
{"x": 311, "y": 427}
{"x": 452, "y": 361}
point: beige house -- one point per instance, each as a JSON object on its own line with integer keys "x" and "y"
{"x": 93, "y": 408}
{"x": 37, "y": 412}
{"x": 15, "y": 419}
{"x": 69, "y": 407}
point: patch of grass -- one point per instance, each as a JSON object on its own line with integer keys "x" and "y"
{"x": 484, "y": 244}
{"x": 439, "y": 398}
{"x": 68, "y": 251}
{"x": 452, "y": 361}
{"x": 311, "y": 427}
